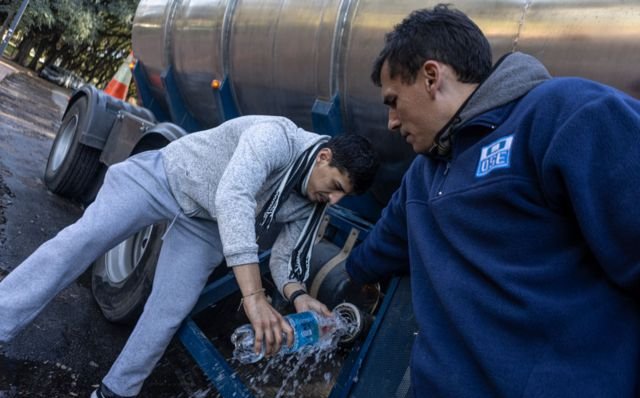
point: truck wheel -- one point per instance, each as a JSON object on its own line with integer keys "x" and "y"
{"x": 71, "y": 165}
{"x": 122, "y": 277}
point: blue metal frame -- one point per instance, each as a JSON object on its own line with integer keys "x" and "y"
{"x": 211, "y": 362}
{"x": 342, "y": 221}
{"x": 224, "y": 99}
{"x": 326, "y": 116}
{"x": 209, "y": 359}
{"x": 351, "y": 367}
{"x": 177, "y": 107}
{"x": 145, "y": 94}
{"x": 365, "y": 205}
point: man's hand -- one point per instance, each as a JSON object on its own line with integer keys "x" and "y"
{"x": 304, "y": 302}
{"x": 308, "y": 303}
{"x": 268, "y": 325}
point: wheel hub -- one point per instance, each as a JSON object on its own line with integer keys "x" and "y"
{"x": 63, "y": 143}
{"x": 121, "y": 261}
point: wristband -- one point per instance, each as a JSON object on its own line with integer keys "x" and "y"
{"x": 261, "y": 290}
{"x": 296, "y": 294}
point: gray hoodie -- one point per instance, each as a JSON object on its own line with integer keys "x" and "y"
{"x": 228, "y": 173}
{"x": 513, "y": 76}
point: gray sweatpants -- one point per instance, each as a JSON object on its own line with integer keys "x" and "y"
{"x": 135, "y": 194}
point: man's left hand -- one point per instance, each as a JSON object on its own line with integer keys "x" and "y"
{"x": 307, "y": 303}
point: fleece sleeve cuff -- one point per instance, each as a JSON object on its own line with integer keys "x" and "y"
{"x": 241, "y": 259}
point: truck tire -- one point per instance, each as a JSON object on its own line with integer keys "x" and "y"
{"x": 122, "y": 277}
{"x": 71, "y": 165}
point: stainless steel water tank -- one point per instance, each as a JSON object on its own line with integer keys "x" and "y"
{"x": 282, "y": 55}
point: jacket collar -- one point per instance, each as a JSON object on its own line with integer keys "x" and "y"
{"x": 513, "y": 76}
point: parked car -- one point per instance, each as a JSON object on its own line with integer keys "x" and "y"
{"x": 61, "y": 77}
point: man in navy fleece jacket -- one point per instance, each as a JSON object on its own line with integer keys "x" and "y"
{"x": 518, "y": 222}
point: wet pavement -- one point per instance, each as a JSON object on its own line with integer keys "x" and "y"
{"x": 69, "y": 347}
{"x": 67, "y": 350}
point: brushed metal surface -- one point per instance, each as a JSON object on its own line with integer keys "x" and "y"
{"x": 198, "y": 36}
{"x": 151, "y": 41}
{"x": 599, "y": 40}
{"x": 281, "y": 55}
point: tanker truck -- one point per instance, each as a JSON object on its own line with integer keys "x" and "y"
{"x": 201, "y": 62}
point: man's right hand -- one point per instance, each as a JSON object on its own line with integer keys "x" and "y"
{"x": 267, "y": 323}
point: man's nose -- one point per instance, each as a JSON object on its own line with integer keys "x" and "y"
{"x": 394, "y": 122}
{"x": 335, "y": 197}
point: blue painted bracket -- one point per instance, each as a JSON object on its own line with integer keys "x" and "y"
{"x": 342, "y": 221}
{"x": 145, "y": 94}
{"x": 211, "y": 362}
{"x": 177, "y": 107}
{"x": 224, "y": 99}
{"x": 354, "y": 361}
{"x": 326, "y": 116}
{"x": 365, "y": 205}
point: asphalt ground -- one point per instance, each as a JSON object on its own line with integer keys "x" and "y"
{"x": 69, "y": 347}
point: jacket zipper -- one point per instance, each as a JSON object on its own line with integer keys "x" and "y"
{"x": 444, "y": 178}
{"x": 440, "y": 190}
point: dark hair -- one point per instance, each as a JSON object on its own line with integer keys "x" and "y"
{"x": 354, "y": 155}
{"x": 441, "y": 34}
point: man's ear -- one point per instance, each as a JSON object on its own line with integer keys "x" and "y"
{"x": 324, "y": 155}
{"x": 431, "y": 74}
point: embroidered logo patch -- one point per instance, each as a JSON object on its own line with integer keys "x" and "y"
{"x": 495, "y": 156}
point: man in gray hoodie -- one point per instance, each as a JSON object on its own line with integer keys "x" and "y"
{"x": 219, "y": 190}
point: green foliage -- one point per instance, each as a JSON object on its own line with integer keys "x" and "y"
{"x": 88, "y": 37}
{"x": 6, "y": 6}
{"x": 38, "y": 15}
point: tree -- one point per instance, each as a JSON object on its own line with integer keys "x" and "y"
{"x": 7, "y": 10}
{"x": 88, "y": 37}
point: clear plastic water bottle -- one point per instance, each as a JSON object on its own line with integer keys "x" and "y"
{"x": 309, "y": 329}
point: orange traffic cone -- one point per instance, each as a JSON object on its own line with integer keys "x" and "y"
{"x": 119, "y": 84}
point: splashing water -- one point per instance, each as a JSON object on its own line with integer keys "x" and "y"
{"x": 307, "y": 372}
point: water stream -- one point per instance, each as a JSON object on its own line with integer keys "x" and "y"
{"x": 309, "y": 372}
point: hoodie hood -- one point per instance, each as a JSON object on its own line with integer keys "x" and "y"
{"x": 513, "y": 76}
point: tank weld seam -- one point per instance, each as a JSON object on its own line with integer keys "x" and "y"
{"x": 525, "y": 10}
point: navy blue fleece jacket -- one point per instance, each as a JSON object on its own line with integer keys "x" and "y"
{"x": 523, "y": 245}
